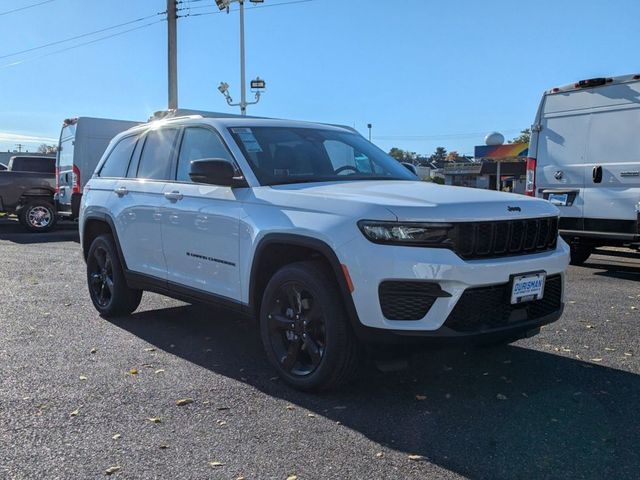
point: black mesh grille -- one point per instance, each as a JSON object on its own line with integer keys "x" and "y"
{"x": 501, "y": 238}
{"x": 407, "y": 300}
{"x": 488, "y": 308}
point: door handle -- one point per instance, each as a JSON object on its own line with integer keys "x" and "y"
{"x": 121, "y": 191}
{"x": 597, "y": 174}
{"x": 173, "y": 196}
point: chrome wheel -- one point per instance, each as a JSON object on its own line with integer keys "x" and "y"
{"x": 296, "y": 329}
{"x": 39, "y": 216}
{"x": 101, "y": 277}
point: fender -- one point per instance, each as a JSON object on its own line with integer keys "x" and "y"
{"x": 313, "y": 243}
{"x": 104, "y": 218}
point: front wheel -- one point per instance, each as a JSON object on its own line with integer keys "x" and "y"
{"x": 305, "y": 330}
{"x": 108, "y": 288}
{"x": 37, "y": 216}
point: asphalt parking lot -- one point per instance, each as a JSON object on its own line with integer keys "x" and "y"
{"x": 80, "y": 394}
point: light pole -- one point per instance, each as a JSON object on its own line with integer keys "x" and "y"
{"x": 369, "y": 127}
{"x": 256, "y": 84}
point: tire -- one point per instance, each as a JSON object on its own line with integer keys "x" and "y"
{"x": 580, "y": 253}
{"x": 108, "y": 288}
{"x": 37, "y": 215}
{"x": 305, "y": 329}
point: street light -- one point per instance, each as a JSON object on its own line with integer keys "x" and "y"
{"x": 369, "y": 126}
{"x": 256, "y": 84}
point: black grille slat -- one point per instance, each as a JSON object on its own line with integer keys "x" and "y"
{"x": 401, "y": 300}
{"x": 472, "y": 240}
{"x": 488, "y": 308}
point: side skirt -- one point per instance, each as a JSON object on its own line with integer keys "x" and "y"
{"x": 180, "y": 292}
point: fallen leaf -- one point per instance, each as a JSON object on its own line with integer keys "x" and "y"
{"x": 290, "y": 407}
{"x": 184, "y": 401}
{"x": 133, "y": 371}
{"x": 112, "y": 470}
{"x": 221, "y": 422}
{"x": 94, "y": 350}
{"x": 421, "y": 397}
{"x": 500, "y": 396}
{"x": 223, "y": 408}
{"x": 74, "y": 413}
{"x": 311, "y": 415}
{"x": 628, "y": 354}
{"x": 160, "y": 370}
{"x": 416, "y": 458}
{"x": 150, "y": 349}
{"x": 116, "y": 436}
{"x": 155, "y": 419}
{"x": 216, "y": 464}
{"x": 589, "y": 326}
{"x": 292, "y": 477}
{"x": 596, "y": 359}
{"x": 163, "y": 446}
{"x": 82, "y": 377}
{"x": 379, "y": 455}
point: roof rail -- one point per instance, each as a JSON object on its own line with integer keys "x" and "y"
{"x": 186, "y": 113}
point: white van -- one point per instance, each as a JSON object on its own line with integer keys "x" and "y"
{"x": 585, "y": 159}
{"x": 83, "y": 140}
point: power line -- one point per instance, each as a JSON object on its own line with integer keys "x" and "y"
{"x": 249, "y": 8}
{"x": 24, "y": 8}
{"x": 58, "y": 42}
{"x": 82, "y": 44}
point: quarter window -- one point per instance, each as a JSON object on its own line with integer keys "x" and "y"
{"x": 197, "y": 144}
{"x": 155, "y": 162}
{"x": 118, "y": 160}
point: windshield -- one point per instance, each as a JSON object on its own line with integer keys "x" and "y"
{"x": 280, "y": 155}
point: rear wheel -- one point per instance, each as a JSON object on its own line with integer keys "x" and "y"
{"x": 108, "y": 288}
{"x": 37, "y": 215}
{"x": 305, "y": 330}
{"x": 580, "y": 253}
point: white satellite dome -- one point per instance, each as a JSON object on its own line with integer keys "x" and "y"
{"x": 494, "y": 138}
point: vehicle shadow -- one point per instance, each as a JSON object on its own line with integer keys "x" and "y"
{"x": 623, "y": 265}
{"x": 509, "y": 412}
{"x": 12, "y": 231}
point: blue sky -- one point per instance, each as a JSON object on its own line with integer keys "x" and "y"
{"x": 424, "y": 73}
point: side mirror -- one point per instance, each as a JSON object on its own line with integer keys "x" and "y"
{"x": 215, "y": 171}
{"x": 411, "y": 167}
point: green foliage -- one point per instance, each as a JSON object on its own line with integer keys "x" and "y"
{"x": 524, "y": 137}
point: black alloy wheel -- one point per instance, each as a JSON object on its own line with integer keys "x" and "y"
{"x": 305, "y": 330}
{"x": 100, "y": 269}
{"x": 108, "y": 288}
{"x": 296, "y": 329}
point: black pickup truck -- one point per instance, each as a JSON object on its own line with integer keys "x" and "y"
{"x": 26, "y": 189}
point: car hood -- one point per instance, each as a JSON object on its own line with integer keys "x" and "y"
{"x": 412, "y": 201}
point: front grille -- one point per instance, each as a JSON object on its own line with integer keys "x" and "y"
{"x": 408, "y": 300}
{"x": 502, "y": 238}
{"x": 487, "y": 308}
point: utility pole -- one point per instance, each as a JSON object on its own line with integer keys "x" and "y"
{"x": 369, "y": 126}
{"x": 172, "y": 34}
{"x": 243, "y": 91}
{"x": 19, "y": 146}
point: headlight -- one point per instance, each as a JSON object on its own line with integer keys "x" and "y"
{"x": 427, "y": 234}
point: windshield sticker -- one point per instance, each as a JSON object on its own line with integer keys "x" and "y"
{"x": 248, "y": 139}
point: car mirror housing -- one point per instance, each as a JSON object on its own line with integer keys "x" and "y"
{"x": 215, "y": 171}
{"x": 411, "y": 167}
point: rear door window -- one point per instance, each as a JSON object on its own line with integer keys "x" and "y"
{"x": 36, "y": 165}
{"x": 157, "y": 154}
{"x": 118, "y": 160}
{"x": 197, "y": 144}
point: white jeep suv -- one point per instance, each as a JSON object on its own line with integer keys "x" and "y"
{"x": 324, "y": 238}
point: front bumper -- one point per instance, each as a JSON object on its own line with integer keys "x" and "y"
{"x": 371, "y": 264}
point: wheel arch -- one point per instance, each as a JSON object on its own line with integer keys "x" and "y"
{"x": 96, "y": 225}
{"x": 279, "y": 249}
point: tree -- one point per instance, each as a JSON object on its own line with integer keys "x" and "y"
{"x": 44, "y": 148}
{"x": 440, "y": 155}
{"x": 524, "y": 137}
{"x": 453, "y": 156}
{"x": 403, "y": 155}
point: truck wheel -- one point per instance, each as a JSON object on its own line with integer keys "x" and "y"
{"x": 37, "y": 215}
{"x": 108, "y": 288}
{"x": 580, "y": 253}
{"x": 305, "y": 330}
